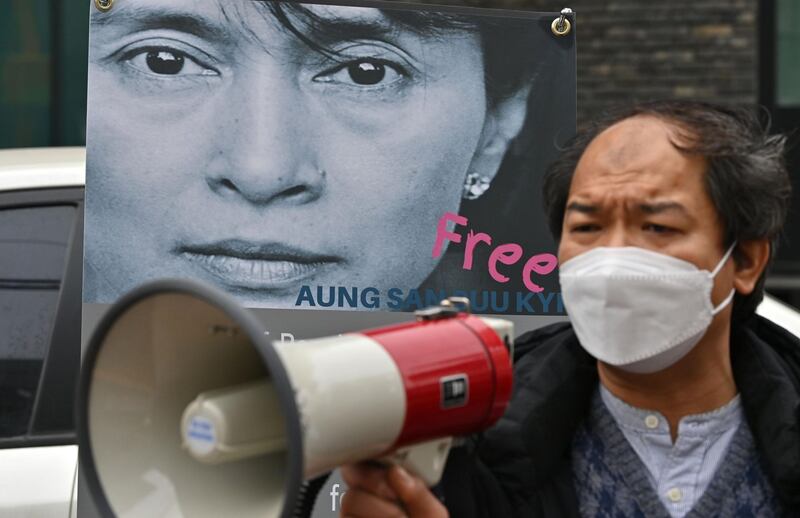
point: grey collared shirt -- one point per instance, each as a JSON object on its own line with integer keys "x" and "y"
{"x": 679, "y": 472}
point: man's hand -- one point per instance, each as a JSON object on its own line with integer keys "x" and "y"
{"x": 376, "y": 491}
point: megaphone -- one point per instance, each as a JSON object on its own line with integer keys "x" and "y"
{"x": 186, "y": 408}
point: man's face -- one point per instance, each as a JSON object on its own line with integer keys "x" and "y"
{"x": 223, "y": 147}
{"x": 632, "y": 187}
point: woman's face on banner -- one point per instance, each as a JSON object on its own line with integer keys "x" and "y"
{"x": 223, "y": 147}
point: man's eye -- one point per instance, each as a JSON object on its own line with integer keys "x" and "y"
{"x": 658, "y": 229}
{"x": 166, "y": 62}
{"x": 363, "y": 72}
{"x": 588, "y": 227}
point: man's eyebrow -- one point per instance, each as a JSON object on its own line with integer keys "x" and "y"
{"x": 656, "y": 208}
{"x": 147, "y": 18}
{"x": 582, "y": 208}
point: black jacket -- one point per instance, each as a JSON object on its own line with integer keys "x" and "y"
{"x": 521, "y": 467}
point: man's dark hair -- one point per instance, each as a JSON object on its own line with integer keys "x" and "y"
{"x": 746, "y": 177}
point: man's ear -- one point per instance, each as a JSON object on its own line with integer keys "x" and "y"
{"x": 503, "y": 123}
{"x": 751, "y": 260}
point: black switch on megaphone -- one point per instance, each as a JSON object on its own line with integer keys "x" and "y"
{"x": 186, "y": 409}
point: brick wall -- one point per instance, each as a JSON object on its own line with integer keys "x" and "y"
{"x": 648, "y": 49}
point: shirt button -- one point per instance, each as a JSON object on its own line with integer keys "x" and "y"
{"x": 674, "y": 494}
{"x": 651, "y": 421}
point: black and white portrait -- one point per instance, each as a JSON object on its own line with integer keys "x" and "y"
{"x": 267, "y": 146}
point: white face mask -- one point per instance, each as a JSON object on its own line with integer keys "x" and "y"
{"x": 636, "y": 309}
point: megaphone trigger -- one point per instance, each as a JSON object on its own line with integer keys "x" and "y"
{"x": 425, "y": 460}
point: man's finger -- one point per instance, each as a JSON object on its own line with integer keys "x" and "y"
{"x": 362, "y": 504}
{"x": 417, "y": 499}
{"x": 369, "y": 476}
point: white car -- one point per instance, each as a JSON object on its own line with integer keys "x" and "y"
{"x": 41, "y": 238}
{"x": 41, "y": 244}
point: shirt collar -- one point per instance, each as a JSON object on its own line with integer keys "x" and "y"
{"x": 651, "y": 422}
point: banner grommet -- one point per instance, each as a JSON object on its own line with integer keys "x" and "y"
{"x": 103, "y": 5}
{"x": 561, "y": 26}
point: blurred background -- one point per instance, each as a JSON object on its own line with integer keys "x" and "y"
{"x": 744, "y": 52}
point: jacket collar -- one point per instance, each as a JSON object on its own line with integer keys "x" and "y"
{"x": 558, "y": 379}
{"x": 766, "y": 366}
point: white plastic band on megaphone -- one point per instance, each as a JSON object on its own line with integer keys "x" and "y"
{"x": 340, "y": 381}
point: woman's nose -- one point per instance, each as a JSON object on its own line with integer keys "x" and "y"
{"x": 264, "y": 150}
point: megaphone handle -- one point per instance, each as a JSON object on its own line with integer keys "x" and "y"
{"x": 425, "y": 460}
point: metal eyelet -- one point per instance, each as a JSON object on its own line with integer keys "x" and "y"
{"x": 561, "y": 26}
{"x": 103, "y": 5}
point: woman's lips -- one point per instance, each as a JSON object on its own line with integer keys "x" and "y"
{"x": 264, "y": 266}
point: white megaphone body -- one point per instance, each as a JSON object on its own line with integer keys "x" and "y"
{"x": 186, "y": 409}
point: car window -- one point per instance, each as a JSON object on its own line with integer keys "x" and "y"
{"x": 33, "y": 248}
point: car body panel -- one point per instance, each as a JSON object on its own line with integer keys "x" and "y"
{"x": 782, "y": 314}
{"x": 37, "y": 479}
{"x": 37, "y": 482}
{"x": 43, "y": 168}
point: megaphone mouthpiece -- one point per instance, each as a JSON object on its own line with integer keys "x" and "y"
{"x": 229, "y": 424}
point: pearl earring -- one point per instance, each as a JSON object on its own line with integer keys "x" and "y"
{"x": 475, "y": 185}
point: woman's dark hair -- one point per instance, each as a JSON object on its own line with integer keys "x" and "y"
{"x": 746, "y": 177}
{"x": 499, "y": 37}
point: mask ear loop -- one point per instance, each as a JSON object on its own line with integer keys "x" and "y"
{"x": 721, "y": 263}
{"x": 724, "y": 303}
{"x": 724, "y": 260}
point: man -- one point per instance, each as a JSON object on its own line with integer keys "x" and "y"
{"x": 666, "y": 396}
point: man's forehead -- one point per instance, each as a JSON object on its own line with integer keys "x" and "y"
{"x": 633, "y": 139}
{"x": 632, "y": 194}
{"x": 637, "y": 165}
{"x": 641, "y": 148}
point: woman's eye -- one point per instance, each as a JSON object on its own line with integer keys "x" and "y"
{"x": 166, "y": 62}
{"x": 366, "y": 72}
{"x": 363, "y": 72}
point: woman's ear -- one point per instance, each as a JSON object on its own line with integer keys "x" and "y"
{"x": 751, "y": 258}
{"x": 503, "y": 123}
